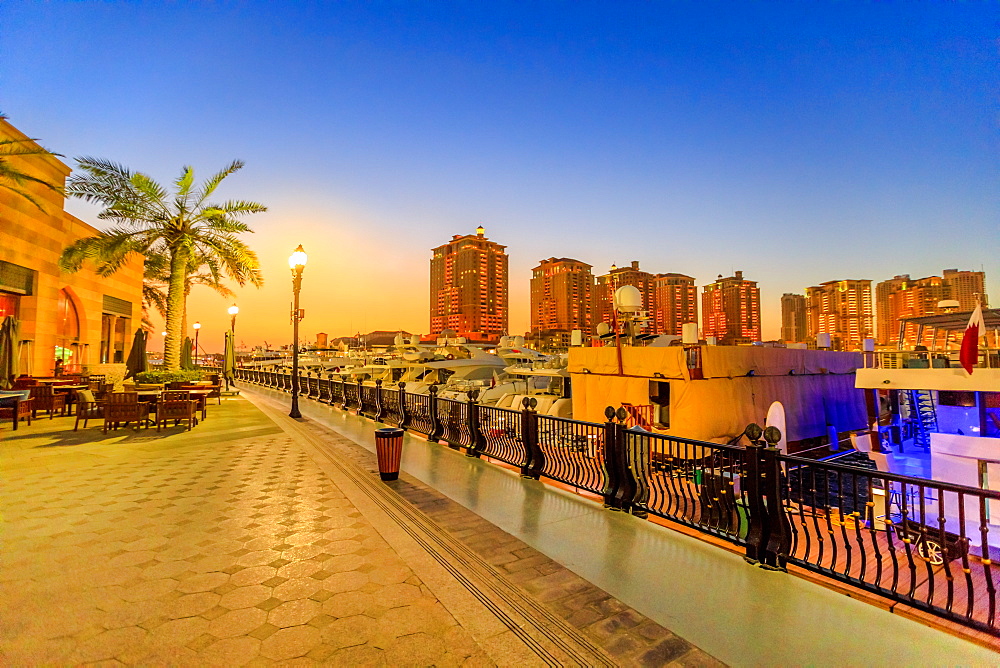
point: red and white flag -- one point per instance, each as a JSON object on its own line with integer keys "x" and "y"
{"x": 969, "y": 354}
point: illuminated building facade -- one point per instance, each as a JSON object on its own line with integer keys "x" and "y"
{"x": 675, "y": 303}
{"x": 469, "y": 287}
{"x": 902, "y": 297}
{"x": 604, "y": 291}
{"x": 730, "y": 310}
{"x": 561, "y": 291}
{"x": 793, "y": 318}
{"x": 842, "y": 309}
{"x": 83, "y": 320}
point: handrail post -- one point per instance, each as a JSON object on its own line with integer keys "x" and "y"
{"x": 611, "y": 491}
{"x": 361, "y": 403}
{"x": 432, "y": 403}
{"x": 637, "y": 464}
{"x": 343, "y": 393}
{"x": 759, "y": 527}
{"x": 379, "y": 406}
{"x": 476, "y": 436}
{"x": 534, "y": 459}
{"x": 779, "y": 541}
{"x": 404, "y": 416}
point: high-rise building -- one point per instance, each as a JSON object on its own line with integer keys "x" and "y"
{"x": 604, "y": 290}
{"x": 966, "y": 287}
{"x": 902, "y": 297}
{"x": 793, "y": 318}
{"x": 675, "y": 303}
{"x": 730, "y": 310}
{"x": 469, "y": 287}
{"x": 561, "y": 290}
{"x": 842, "y": 309}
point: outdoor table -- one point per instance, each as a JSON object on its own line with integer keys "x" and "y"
{"x": 201, "y": 396}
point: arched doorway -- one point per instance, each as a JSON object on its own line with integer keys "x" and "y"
{"x": 67, "y": 333}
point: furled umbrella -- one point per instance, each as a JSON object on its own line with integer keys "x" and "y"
{"x": 186, "y": 362}
{"x": 229, "y": 360}
{"x": 9, "y": 359}
{"x": 136, "y": 362}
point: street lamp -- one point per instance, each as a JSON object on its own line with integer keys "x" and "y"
{"x": 233, "y": 312}
{"x": 197, "y": 328}
{"x": 296, "y": 262}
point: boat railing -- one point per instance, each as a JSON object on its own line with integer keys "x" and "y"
{"x": 926, "y": 359}
{"x": 925, "y": 543}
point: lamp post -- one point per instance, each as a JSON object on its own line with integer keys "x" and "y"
{"x": 233, "y": 312}
{"x": 197, "y": 328}
{"x": 296, "y": 262}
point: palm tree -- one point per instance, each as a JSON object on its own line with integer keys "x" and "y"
{"x": 182, "y": 226}
{"x": 202, "y": 270}
{"x": 14, "y": 179}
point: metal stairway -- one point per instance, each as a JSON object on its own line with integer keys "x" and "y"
{"x": 920, "y": 404}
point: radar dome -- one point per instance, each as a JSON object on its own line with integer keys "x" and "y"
{"x": 603, "y": 328}
{"x": 628, "y": 299}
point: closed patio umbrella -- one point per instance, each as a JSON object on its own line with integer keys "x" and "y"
{"x": 9, "y": 359}
{"x": 229, "y": 359}
{"x": 186, "y": 363}
{"x": 136, "y": 362}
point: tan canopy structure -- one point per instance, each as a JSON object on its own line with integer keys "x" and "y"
{"x": 736, "y": 387}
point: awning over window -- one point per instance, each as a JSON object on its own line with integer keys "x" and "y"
{"x": 15, "y": 278}
{"x": 116, "y": 306}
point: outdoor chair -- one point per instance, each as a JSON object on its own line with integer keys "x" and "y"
{"x": 46, "y": 399}
{"x": 87, "y": 408}
{"x": 202, "y": 399}
{"x": 176, "y": 405}
{"x": 125, "y": 407}
{"x": 16, "y": 405}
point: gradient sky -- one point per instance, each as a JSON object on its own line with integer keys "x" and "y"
{"x": 798, "y": 142}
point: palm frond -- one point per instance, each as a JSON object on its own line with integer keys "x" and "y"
{"x": 211, "y": 184}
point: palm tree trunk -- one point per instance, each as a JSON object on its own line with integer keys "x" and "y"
{"x": 175, "y": 310}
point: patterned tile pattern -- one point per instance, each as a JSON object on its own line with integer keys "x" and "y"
{"x": 201, "y": 548}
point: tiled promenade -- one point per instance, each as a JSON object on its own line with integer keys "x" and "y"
{"x": 254, "y": 540}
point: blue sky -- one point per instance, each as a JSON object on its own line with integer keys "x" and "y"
{"x": 798, "y": 142}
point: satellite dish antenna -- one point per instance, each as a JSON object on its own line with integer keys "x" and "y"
{"x": 399, "y": 340}
{"x": 628, "y": 299}
{"x": 603, "y": 329}
{"x": 518, "y": 341}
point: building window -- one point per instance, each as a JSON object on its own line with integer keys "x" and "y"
{"x": 67, "y": 331}
{"x": 115, "y": 322}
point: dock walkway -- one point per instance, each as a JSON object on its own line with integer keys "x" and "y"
{"x": 254, "y": 539}
{"x": 709, "y": 596}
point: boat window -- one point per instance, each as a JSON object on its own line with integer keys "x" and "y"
{"x": 659, "y": 397}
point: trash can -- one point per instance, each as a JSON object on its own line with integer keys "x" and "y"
{"x": 389, "y": 448}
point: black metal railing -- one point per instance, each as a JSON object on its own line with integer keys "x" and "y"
{"x": 501, "y": 432}
{"x": 692, "y": 482}
{"x": 573, "y": 452}
{"x": 367, "y": 401}
{"x": 923, "y": 543}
